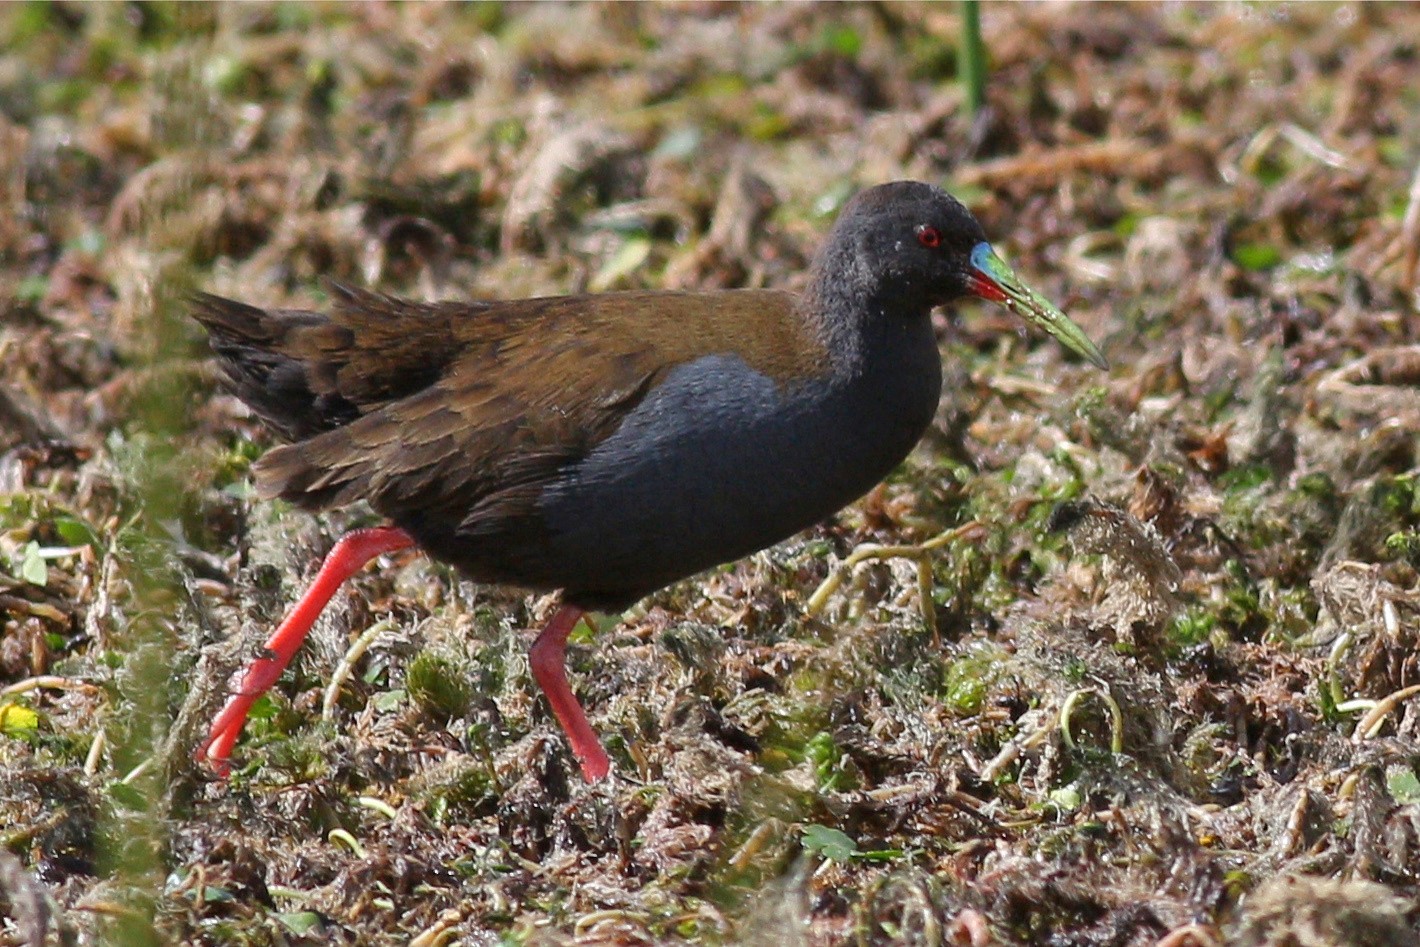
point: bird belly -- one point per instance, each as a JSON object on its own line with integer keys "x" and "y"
{"x": 720, "y": 461}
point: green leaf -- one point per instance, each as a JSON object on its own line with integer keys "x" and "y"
{"x": 1066, "y": 798}
{"x": 75, "y": 532}
{"x": 1125, "y": 226}
{"x": 625, "y": 261}
{"x": 1403, "y": 784}
{"x": 300, "y": 922}
{"x": 766, "y": 123}
{"x": 90, "y": 242}
{"x": 881, "y": 855}
{"x": 390, "y": 700}
{"x": 32, "y": 566}
{"x": 582, "y": 633}
{"x": 263, "y": 709}
{"x": 32, "y": 289}
{"x": 127, "y": 797}
{"x": 678, "y": 144}
{"x": 832, "y": 200}
{"x": 211, "y": 894}
{"x": 375, "y": 671}
{"x": 1256, "y": 256}
{"x": 842, "y": 39}
{"x": 830, "y": 843}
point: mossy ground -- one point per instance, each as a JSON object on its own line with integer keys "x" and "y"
{"x": 1156, "y": 688}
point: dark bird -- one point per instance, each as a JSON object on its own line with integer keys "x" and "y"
{"x": 607, "y": 445}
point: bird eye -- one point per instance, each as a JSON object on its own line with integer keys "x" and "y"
{"x": 929, "y": 236}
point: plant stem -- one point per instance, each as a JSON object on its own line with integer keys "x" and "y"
{"x": 971, "y": 63}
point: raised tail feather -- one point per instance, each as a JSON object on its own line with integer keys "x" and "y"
{"x": 309, "y": 375}
{"x": 305, "y": 372}
{"x": 266, "y": 362}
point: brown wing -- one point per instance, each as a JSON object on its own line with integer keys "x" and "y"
{"x": 531, "y": 386}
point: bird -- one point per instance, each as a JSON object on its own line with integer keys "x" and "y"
{"x": 605, "y": 445}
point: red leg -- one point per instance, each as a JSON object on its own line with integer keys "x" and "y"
{"x": 348, "y": 557}
{"x": 548, "y": 659}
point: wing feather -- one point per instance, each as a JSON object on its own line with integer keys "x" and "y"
{"x": 451, "y": 418}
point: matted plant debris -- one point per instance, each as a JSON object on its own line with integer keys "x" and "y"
{"x": 1123, "y": 658}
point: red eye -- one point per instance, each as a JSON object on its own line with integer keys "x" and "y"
{"x": 929, "y": 236}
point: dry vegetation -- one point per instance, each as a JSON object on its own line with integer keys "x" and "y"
{"x": 1160, "y": 689}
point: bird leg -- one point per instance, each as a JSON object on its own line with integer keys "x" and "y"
{"x": 349, "y": 556}
{"x": 548, "y": 657}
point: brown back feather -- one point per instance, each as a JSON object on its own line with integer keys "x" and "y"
{"x": 519, "y": 389}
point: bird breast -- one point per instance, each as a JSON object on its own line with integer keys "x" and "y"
{"x": 719, "y": 461}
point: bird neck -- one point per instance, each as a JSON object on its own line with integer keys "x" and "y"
{"x": 852, "y": 312}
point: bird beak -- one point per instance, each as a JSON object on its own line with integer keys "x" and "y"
{"x": 990, "y": 278}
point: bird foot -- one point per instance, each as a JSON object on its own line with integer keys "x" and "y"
{"x": 346, "y": 558}
{"x": 548, "y": 658}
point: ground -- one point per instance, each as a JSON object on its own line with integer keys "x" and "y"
{"x": 1150, "y": 680}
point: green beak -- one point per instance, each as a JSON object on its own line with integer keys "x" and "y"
{"x": 990, "y": 278}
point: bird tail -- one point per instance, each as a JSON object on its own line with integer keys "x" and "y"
{"x": 271, "y": 359}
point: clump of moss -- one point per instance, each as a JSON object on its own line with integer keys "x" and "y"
{"x": 439, "y": 686}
